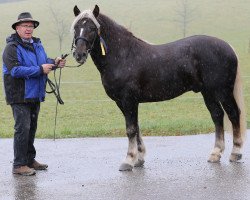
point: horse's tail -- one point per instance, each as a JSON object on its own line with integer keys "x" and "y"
{"x": 238, "y": 95}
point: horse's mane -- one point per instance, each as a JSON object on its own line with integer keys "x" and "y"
{"x": 121, "y": 39}
{"x": 104, "y": 23}
{"x": 113, "y": 28}
{"x": 110, "y": 25}
{"x": 87, "y": 14}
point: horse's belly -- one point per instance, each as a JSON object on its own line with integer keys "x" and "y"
{"x": 162, "y": 94}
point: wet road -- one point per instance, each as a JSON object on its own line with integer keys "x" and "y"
{"x": 175, "y": 168}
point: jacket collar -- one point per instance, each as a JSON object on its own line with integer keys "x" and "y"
{"x": 16, "y": 38}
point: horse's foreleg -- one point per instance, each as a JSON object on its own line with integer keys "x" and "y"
{"x": 130, "y": 112}
{"x": 217, "y": 115}
{"x": 141, "y": 151}
{"x": 132, "y": 154}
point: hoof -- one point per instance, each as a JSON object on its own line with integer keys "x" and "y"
{"x": 235, "y": 157}
{"x": 214, "y": 158}
{"x": 139, "y": 163}
{"x": 125, "y": 167}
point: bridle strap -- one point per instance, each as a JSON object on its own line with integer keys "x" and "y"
{"x": 85, "y": 40}
{"x": 81, "y": 38}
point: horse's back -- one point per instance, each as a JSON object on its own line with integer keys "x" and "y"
{"x": 197, "y": 63}
{"x": 211, "y": 61}
{"x": 200, "y": 47}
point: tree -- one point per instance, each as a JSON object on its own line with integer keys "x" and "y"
{"x": 61, "y": 29}
{"x": 185, "y": 15}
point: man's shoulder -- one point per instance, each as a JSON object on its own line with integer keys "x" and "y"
{"x": 11, "y": 42}
{"x": 10, "y": 46}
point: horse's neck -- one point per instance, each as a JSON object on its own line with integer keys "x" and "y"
{"x": 97, "y": 57}
{"x": 117, "y": 40}
{"x": 116, "y": 36}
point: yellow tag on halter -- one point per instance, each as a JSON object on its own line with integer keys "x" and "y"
{"x": 103, "y": 49}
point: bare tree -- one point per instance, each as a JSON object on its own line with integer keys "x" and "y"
{"x": 185, "y": 15}
{"x": 61, "y": 29}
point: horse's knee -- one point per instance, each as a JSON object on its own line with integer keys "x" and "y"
{"x": 131, "y": 132}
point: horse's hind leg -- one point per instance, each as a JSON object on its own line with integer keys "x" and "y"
{"x": 233, "y": 112}
{"x": 217, "y": 115}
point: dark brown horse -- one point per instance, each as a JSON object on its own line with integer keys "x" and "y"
{"x": 133, "y": 72}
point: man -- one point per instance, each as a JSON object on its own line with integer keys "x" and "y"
{"x": 25, "y": 69}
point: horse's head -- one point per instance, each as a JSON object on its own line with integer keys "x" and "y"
{"x": 85, "y": 28}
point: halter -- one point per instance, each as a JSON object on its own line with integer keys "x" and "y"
{"x": 88, "y": 14}
{"x": 73, "y": 46}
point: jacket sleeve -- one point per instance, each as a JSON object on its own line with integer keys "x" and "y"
{"x": 50, "y": 61}
{"x": 12, "y": 59}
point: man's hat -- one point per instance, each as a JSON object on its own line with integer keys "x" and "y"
{"x": 25, "y": 17}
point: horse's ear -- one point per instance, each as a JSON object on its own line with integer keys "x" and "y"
{"x": 76, "y": 11}
{"x": 96, "y": 11}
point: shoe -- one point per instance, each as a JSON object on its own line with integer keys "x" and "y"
{"x": 38, "y": 166}
{"x": 24, "y": 171}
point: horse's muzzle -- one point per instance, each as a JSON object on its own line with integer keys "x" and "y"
{"x": 80, "y": 57}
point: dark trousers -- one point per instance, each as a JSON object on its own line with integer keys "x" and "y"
{"x": 25, "y": 116}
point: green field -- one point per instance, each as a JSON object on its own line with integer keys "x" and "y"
{"x": 87, "y": 110}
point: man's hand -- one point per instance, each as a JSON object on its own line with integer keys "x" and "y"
{"x": 60, "y": 62}
{"x": 47, "y": 68}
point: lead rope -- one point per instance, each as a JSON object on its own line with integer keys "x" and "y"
{"x": 55, "y": 89}
{"x": 59, "y": 100}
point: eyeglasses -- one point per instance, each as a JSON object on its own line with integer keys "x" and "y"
{"x": 27, "y": 26}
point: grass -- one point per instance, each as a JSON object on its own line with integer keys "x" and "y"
{"x": 88, "y": 112}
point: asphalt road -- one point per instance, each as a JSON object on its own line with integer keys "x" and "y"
{"x": 176, "y": 168}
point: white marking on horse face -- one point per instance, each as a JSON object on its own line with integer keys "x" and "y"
{"x": 81, "y": 32}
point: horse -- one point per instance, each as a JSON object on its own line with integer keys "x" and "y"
{"x": 133, "y": 71}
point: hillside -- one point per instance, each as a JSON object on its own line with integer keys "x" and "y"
{"x": 154, "y": 21}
